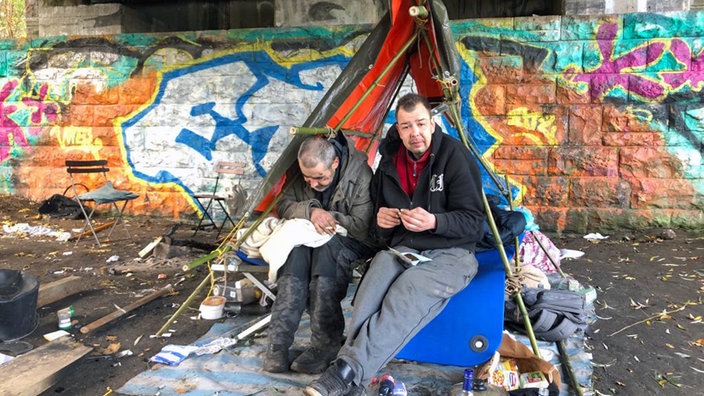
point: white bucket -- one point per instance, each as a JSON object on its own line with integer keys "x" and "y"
{"x": 212, "y": 307}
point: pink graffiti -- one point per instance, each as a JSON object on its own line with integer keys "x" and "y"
{"x": 8, "y": 127}
{"x": 610, "y": 74}
{"x": 693, "y": 76}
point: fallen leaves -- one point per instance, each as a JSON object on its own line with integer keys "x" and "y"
{"x": 665, "y": 379}
{"x": 659, "y": 316}
{"x": 637, "y": 305}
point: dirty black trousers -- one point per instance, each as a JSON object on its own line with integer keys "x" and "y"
{"x": 317, "y": 279}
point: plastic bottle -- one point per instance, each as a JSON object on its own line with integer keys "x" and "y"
{"x": 400, "y": 389}
{"x": 386, "y": 385}
{"x": 468, "y": 383}
{"x": 65, "y": 316}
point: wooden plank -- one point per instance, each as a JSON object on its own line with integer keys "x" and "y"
{"x": 97, "y": 229}
{"x": 149, "y": 248}
{"x": 60, "y": 289}
{"x": 39, "y": 369}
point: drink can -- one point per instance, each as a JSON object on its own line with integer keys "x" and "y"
{"x": 468, "y": 382}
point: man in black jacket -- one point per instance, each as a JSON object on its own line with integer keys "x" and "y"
{"x": 428, "y": 200}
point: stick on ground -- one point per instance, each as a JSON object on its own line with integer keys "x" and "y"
{"x": 122, "y": 311}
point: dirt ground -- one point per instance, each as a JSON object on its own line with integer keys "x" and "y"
{"x": 113, "y": 278}
{"x": 649, "y": 338}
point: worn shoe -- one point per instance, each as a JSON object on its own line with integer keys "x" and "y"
{"x": 276, "y": 359}
{"x": 357, "y": 390}
{"x": 335, "y": 381}
{"x": 315, "y": 359}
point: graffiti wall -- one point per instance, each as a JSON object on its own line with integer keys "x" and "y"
{"x": 596, "y": 123}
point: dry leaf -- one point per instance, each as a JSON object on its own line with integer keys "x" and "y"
{"x": 110, "y": 349}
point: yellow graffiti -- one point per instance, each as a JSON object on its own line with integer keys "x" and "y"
{"x": 533, "y": 121}
{"x": 78, "y": 138}
{"x": 168, "y": 57}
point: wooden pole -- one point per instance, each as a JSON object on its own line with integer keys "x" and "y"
{"x": 118, "y": 313}
{"x": 185, "y": 305}
{"x": 509, "y": 273}
{"x": 97, "y": 229}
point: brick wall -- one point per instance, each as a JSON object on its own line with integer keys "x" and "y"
{"x": 594, "y": 120}
{"x": 596, "y": 7}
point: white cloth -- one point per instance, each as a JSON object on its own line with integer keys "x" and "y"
{"x": 261, "y": 234}
{"x": 274, "y": 239}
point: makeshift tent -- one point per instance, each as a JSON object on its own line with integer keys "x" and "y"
{"x": 413, "y": 38}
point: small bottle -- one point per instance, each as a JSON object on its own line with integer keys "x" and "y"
{"x": 65, "y": 316}
{"x": 399, "y": 389}
{"x": 386, "y": 385}
{"x": 468, "y": 383}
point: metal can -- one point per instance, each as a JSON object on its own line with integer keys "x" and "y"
{"x": 468, "y": 383}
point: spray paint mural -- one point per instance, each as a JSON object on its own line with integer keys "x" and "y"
{"x": 595, "y": 122}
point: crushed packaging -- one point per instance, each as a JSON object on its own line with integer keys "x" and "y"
{"x": 533, "y": 379}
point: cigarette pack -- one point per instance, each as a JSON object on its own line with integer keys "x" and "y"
{"x": 533, "y": 379}
{"x": 409, "y": 259}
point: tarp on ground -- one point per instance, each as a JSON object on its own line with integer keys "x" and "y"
{"x": 237, "y": 370}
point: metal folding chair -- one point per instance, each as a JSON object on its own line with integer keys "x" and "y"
{"x": 205, "y": 200}
{"x": 105, "y": 195}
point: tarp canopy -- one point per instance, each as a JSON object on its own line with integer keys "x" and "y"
{"x": 410, "y": 39}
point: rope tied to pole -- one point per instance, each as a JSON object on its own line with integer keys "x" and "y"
{"x": 514, "y": 283}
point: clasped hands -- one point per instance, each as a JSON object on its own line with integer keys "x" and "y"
{"x": 323, "y": 221}
{"x": 416, "y": 219}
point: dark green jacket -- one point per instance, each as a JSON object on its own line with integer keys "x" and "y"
{"x": 351, "y": 203}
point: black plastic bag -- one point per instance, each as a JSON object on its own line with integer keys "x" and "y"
{"x": 61, "y": 206}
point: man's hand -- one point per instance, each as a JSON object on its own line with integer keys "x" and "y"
{"x": 417, "y": 219}
{"x": 388, "y": 217}
{"x": 323, "y": 221}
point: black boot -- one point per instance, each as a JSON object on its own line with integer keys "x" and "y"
{"x": 327, "y": 324}
{"x": 335, "y": 381}
{"x": 291, "y": 297}
{"x": 276, "y": 359}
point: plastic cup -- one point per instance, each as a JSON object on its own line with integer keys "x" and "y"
{"x": 212, "y": 307}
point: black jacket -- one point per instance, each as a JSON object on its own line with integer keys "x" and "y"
{"x": 449, "y": 187}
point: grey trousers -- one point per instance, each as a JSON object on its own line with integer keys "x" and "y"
{"x": 393, "y": 304}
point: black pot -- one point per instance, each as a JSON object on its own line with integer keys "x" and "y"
{"x": 18, "y": 304}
